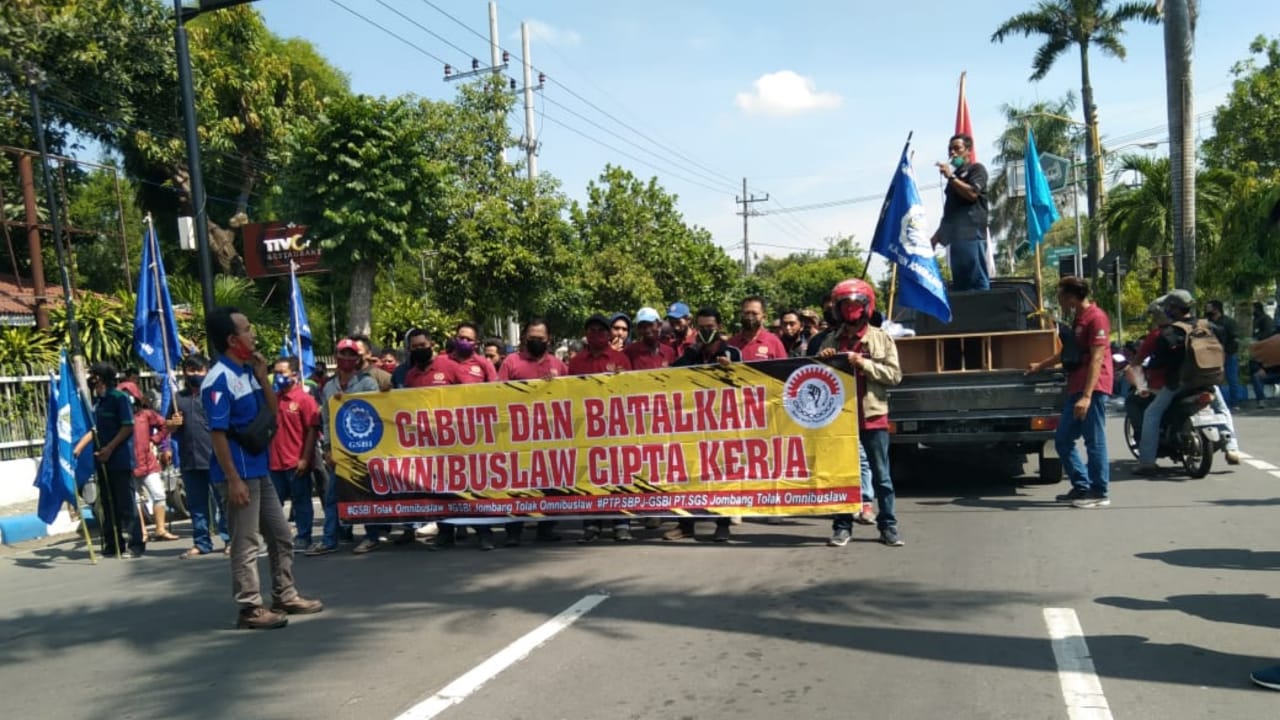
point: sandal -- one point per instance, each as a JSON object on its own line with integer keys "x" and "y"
{"x": 165, "y": 537}
{"x": 192, "y": 552}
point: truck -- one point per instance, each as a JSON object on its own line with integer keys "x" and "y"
{"x": 965, "y": 390}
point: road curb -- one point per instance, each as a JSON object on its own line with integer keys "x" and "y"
{"x": 25, "y": 528}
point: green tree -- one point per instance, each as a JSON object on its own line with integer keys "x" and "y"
{"x": 1248, "y": 254}
{"x": 364, "y": 176}
{"x": 637, "y": 249}
{"x": 103, "y": 260}
{"x": 1063, "y": 24}
{"x": 802, "y": 280}
{"x": 1247, "y": 126}
{"x": 1141, "y": 214}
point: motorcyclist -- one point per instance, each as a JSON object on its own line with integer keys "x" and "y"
{"x": 1169, "y": 354}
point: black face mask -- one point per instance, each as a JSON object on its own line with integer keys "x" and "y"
{"x": 537, "y": 347}
{"x": 750, "y": 323}
{"x": 420, "y": 357}
{"x": 708, "y": 337}
{"x": 193, "y": 381}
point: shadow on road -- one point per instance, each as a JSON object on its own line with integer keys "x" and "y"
{"x": 1218, "y": 558}
{"x": 1256, "y": 609}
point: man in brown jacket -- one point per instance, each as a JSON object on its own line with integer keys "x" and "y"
{"x": 874, "y": 356}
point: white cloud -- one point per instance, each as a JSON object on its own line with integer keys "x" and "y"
{"x": 785, "y": 93}
{"x": 540, "y": 32}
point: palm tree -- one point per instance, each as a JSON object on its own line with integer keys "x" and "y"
{"x": 1062, "y": 24}
{"x": 1142, "y": 214}
{"x": 1008, "y": 214}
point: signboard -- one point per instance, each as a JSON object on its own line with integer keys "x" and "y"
{"x": 1056, "y": 170}
{"x": 770, "y": 438}
{"x": 268, "y": 248}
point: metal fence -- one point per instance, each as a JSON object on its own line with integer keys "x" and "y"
{"x": 24, "y": 406}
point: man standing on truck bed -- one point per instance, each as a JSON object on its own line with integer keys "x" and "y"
{"x": 1089, "y": 382}
{"x": 964, "y": 216}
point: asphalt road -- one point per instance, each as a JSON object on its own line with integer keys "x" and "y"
{"x": 1172, "y": 585}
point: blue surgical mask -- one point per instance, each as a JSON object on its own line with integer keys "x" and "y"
{"x": 282, "y": 383}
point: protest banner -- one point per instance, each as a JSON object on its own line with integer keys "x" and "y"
{"x": 768, "y": 438}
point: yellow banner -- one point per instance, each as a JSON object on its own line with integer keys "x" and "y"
{"x": 769, "y": 438}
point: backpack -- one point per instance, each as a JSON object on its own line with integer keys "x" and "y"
{"x": 1070, "y": 355}
{"x": 1205, "y": 356}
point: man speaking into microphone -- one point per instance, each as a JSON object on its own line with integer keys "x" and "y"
{"x": 964, "y": 216}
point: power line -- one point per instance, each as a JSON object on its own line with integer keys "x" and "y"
{"x": 425, "y": 29}
{"x": 625, "y": 154}
{"x": 837, "y": 203}
{"x": 406, "y": 41}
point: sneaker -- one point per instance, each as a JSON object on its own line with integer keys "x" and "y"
{"x": 721, "y": 535}
{"x": 840, "y": 538}
{"x": 298, "y": 606}
{"x": 260, "y": 618}
{"x": 366, "y": 545}
{"x": 679, "y": 532}
{"x": 427, "y": 530}
{"x": 590, "y": 535}
{"x": 735, "y": 520}
{"x": 132, "y": 554}
{"x": 890, "y": 537}
{"x": 1233, "y": 457}
{"x": 321, "y": 549}
{"x": 1073, "y": 495}
{"x": 1267, "y": 677}
{"x": 1093, "y": 501}
{"x": 300, "y": 545}
{"x": 622, "y": 533}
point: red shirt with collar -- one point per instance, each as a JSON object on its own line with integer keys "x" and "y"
{"x": 609, "y": 361}
{"x": 1155, "y": 376}
{"x": 680, "y": 345}
{"x": 448, "y": 370}
{"x": 764, "y": 345}
{"x": 296, "y": 412}
{"x": 520, "y": 366}
{"x": 643, "y": 357}
{"x": 1093, "y": 329}
{"x": 854, "y": 345}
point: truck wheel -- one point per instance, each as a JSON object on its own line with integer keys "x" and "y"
{"x": 1050, "y": 470}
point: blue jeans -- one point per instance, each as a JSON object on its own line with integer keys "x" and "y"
{"x": 1233, "y": 392}
{"x": 969, "y": 263}
{"x": 1149, "y": 443}
{"x": 1219, "y": 405}
{"x": 330, "y": 504}
{"x": 877, "y": 444}
{"x": 1258, "y": 376}
{"x": 199, "y": 489}
{"x": 1096, "y": 478}
{"x": 844, "y": 521}
{"x": 296, "y": 488}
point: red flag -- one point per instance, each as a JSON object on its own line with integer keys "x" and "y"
{"x": 963, "y": 126}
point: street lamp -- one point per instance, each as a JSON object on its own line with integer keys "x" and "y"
{"x": 181, "y": 13}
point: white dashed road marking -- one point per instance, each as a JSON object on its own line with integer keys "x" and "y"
{"x": 1261, "y": 464}
{"x": 1081, "y": 688}
{"x": 470, "y": 681}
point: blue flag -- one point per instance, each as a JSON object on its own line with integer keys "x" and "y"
{"x": 901, "y": 239}
{"x": 1041, "y": 212}
{"x": 298, "y": 341}
{"x": 155, "y": 329}
{"x": 61, "y": 473}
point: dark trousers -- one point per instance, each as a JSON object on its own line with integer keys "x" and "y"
{"x": 120, "y": 514}
{"x": 969, "y": 262}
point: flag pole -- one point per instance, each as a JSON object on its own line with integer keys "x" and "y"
{"x": 866, "y": 266}
{"x": 297, "y": 318}
{"x": 164, "y": 325}
{"x": 893, "y": 290}
{"x": 1039, "y": 264}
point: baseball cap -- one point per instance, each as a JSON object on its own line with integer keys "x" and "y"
{"x": 646, "y": 315}
{"x": 678, "y": 310}
{"x": 349, "y": 344}
{"x": 597, "y": 319}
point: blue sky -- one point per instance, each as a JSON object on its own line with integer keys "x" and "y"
{"x": 810, "y": 100}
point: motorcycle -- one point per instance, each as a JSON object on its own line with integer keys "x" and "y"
{"x": 1190, "y": 431}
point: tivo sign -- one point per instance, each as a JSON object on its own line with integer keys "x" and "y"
{"x": 269, "y": 248}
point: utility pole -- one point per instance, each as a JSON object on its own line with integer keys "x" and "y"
{"x": 28, "y": 178}
{"x": 530, "y": 141}
{"x": 1179, "y": 39}
{"x": 497, "y": 62}
{"x": 746, "y": 201}
{"x": 195, "y": 179}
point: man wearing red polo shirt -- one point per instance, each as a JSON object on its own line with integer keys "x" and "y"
{"x": 292, "y": 450}
{"x": 533, "y": 361}
{"x": 649, "y": 353}
{"x": 599, "y": 357}
{"x": 460, "y": 366}
{"x": 755, "y": 342}
{"x": 682, "y": 335}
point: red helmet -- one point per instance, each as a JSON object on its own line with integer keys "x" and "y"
{"x": 857, "y": 290}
